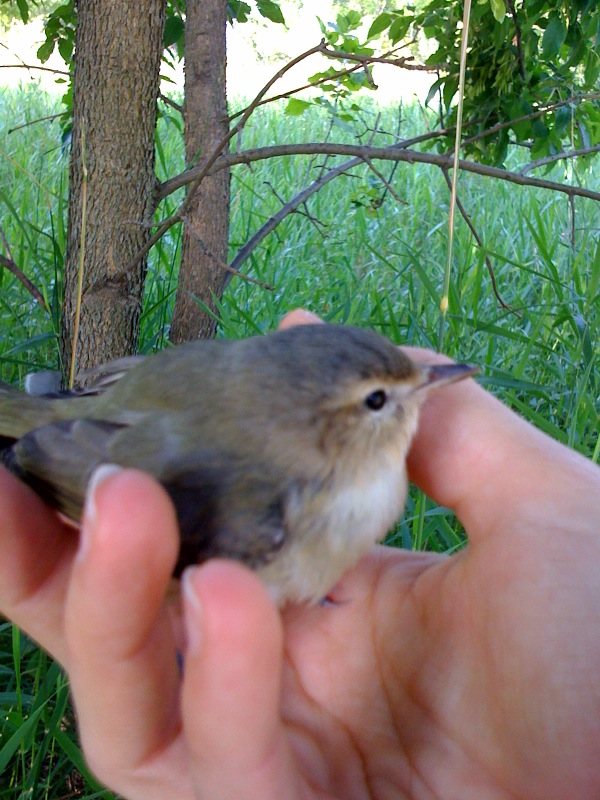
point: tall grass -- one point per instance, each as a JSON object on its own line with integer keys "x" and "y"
{"x": 355, "y": 255}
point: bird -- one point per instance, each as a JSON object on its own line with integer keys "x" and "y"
{"x": 285, "y": 451}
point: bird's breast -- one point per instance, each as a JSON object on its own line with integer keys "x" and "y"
{"x": 330, "y": 530}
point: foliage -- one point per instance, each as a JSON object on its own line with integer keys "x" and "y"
{"x": 60, "y": 25}
{"x": 39, "y": 753}
{"x": 523, "y": 56}
{"x": 23, "y": 9}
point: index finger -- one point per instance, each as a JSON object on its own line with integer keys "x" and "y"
{"x": 474, "y": 455}
{"x": 37, "y": 554}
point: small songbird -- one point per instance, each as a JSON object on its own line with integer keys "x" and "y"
{"x": 286, "y": 452}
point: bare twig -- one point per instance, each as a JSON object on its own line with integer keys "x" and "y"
{"x": 480, "y": 243}
{"x": 222, "y": 264}
{"x": 366, "y": 60}
{"x": 219, "y": 159}
{"x": 10, "y": 265}
{"x": 583, "y": 151}
{"x": 35, "y": 121}
{"x": 167, "y": 101}
{"x": 305, "y": 213}
{"x": 33, "y": 66}
{"x": 575, "y": 98}
{"x": 363, "y": 61}
{"x": 205, "y": 168}
{"x": 385, "y": 182}
{"x": 287, "y": 209}
{"x": 572, "y": 210}
{"x": 396, "y": 153}
{"x": 84, "y": 176}
{"x": 168, "y": 187}
{"x": 284, "y": 95}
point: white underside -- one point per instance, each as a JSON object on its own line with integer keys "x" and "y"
{"x": 310, "y": 565}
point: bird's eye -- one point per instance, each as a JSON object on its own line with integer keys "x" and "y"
{"x": 376, "y": 400}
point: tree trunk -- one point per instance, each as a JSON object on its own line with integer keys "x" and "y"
{"x": 116, "y": 83}
{"x": 206, "y": 227}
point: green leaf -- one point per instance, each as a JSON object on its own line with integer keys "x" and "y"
{"x": 563, "y": 119}
{"x": 554, "y": 35}
{"x": 237, "y": 11}
{"x": 450, "y": 89}
{"x": 592, "y": 68}
{"x": 65, "y": 48}
{"x": 399, "y": 29}
{"x": 585, "y": 136}
{"x": 23, "y": 10}
{"x": 45, "y": 50}
{"x": 270, "y": 10}
{"x": 174, "y": 30}
{"x": 11, "y": 746}
{"x": 296, "y": 107}
{"x": 379, "y": 24}
{"x": 498, "y": 10}
{"x": 354, "y": 19}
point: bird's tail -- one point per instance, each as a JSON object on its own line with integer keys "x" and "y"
{"x": 21, "y": 413}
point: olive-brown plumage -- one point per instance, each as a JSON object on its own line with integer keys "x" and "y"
{"x": 286, "y": 451}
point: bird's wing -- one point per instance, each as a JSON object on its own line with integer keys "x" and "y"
{"x": 97, "y": 380}
{"x": 225, "y": 506}
{"x": 57, "y": 460}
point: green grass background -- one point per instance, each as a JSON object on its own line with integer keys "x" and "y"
{"x": 358, "y": 256}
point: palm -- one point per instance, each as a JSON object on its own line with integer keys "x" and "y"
{"x": 455, "y": 670}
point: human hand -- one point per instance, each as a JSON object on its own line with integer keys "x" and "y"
{"x": 469, "y": 676}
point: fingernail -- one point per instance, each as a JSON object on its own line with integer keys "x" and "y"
{"x": 192, "y": 611}
{"x": 88, "y": 524}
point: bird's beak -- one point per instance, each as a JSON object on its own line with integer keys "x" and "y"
{"x": 436, "y": 375}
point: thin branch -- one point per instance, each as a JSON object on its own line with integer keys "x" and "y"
{"x": 362, "y": 62}
{"x": 10, "y": 265}
{"x": 35, "y": 121}
{"x": 573, "y": 229}
{"x": 393, "y": 153}
{"x": 575, "y": 98}
{"x": 396, "y": 154}
{"x": 222, "y": 264}
{"x": 385, "y": 182}
{"x": 287, "y": 209}
{"x": 480, "y": 243}
{"x": 367, "y": 60}
{"x": 32, "y": 66}
{"x": 167, "y": 101}
{"x": 305, "y": 213}
{"x": 285, "y": 95}
{"x": 583, "y": 151}
{"x": 171, "y": 185}
{"x": 219, "y": 160}
{"x": 205, "y": 169}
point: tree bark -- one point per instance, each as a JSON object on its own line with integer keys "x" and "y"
{"x": 116, "y": 83}
{"x": 206, "y": 226}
